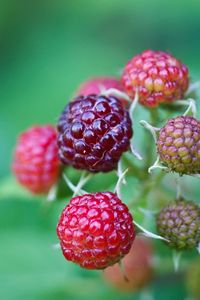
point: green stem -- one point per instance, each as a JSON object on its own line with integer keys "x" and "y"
{"x": 149, "y": 143}
{"x": 154, "y": 116}
{"x": 133, "y": 169}
{"x": 150, "y": 183}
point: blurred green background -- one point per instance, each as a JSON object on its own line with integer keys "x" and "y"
{"x": 47, "y": 48}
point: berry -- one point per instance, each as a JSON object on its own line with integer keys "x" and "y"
{"x": 97, "y": 84}
{"x": 179, "y": 145}
{"x": 36, "y": 163}
{"x": 193, "y": 279}
{"x": 137, "y": 270}
{"x": 95, "y": 230}
{"x": 158, "y": 76}
{"x": 94, "y": 131}
{"x": 179, "y": 222}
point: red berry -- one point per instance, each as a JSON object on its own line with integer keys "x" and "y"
{"x": 158, "y": 76}
{"x": 36, "y": 163}
{"x": 136, "y": 271}
{"x": 95, "y": 230}
{"x": 94, "y": 131}
{"x": 97, "y": 84}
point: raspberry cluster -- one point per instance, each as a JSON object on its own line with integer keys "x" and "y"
{"x": 94, "y": 130}
{"x": 95, "y": 230}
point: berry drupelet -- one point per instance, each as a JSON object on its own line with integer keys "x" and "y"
{"x": 179, "y": 223}
{"x": 95, "y": 230}
{"x": 36, "y": 164}
{"x": 158, "y": 76}
{"x": 179, "y": 145}
{"x": 94, "y": 131}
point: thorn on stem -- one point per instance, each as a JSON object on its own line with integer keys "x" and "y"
{"x": 157, "y": 165}
{"x": 134, "y": 104}
{"x": 153, "y": 130}
{"x": 116, "y": 93}
{"x": 82, "y": 181}
{"x": 149, "y": 233}
{"x": 136, "y": 153}
{"x": 120, "y": 171}
{"x": 52, "y": 193}
{"x": 117, "y": 189}
{"x": 191, "y": 109}
{"x": 176, "y": 259}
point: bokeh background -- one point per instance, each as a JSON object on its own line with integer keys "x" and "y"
{"x": 47, "y": 48}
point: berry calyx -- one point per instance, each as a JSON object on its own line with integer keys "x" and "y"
{"x": 179, "y": 223}
{"x": 95, "y": 230}
{"x": 157, "y": 76}
{"x": 94, "y": 131}
{"x": 36, "y": 164}
{"x": 178, "y": 145}
{"x": 136, "y": 271}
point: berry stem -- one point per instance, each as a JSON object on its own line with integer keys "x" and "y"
{"x": 52, "y": 193}
{"x": 119, "y": 183}
{"x": 73, "y": 187}
{"x": 120, "y": 171}
{"x": 115, "y": 93}
{"x": 147, "y": 233}
{"x": 176, "y": 256}
{"x": 148, "y": 186}
{"x": 133, "y": 169}
{"x": 178, "y": 188}
{"x": 154, "y": 116}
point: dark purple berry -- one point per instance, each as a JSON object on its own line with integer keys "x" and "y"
{"x": 94, "y": 131}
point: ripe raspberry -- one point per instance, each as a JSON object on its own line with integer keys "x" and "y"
{"x": 158, "y": 77}
{"x": 95, "y": 230}
{"x": 137, "y": 270}
{"x": 179, "y": 222}
{"x": 193, "y": 279}
{"x": 179, "y": 145}
{"x": 36, "y": 163}
{"x": 94, "y": 131}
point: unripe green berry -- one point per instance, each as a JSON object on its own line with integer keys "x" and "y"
{"x": 179, "y": 223}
